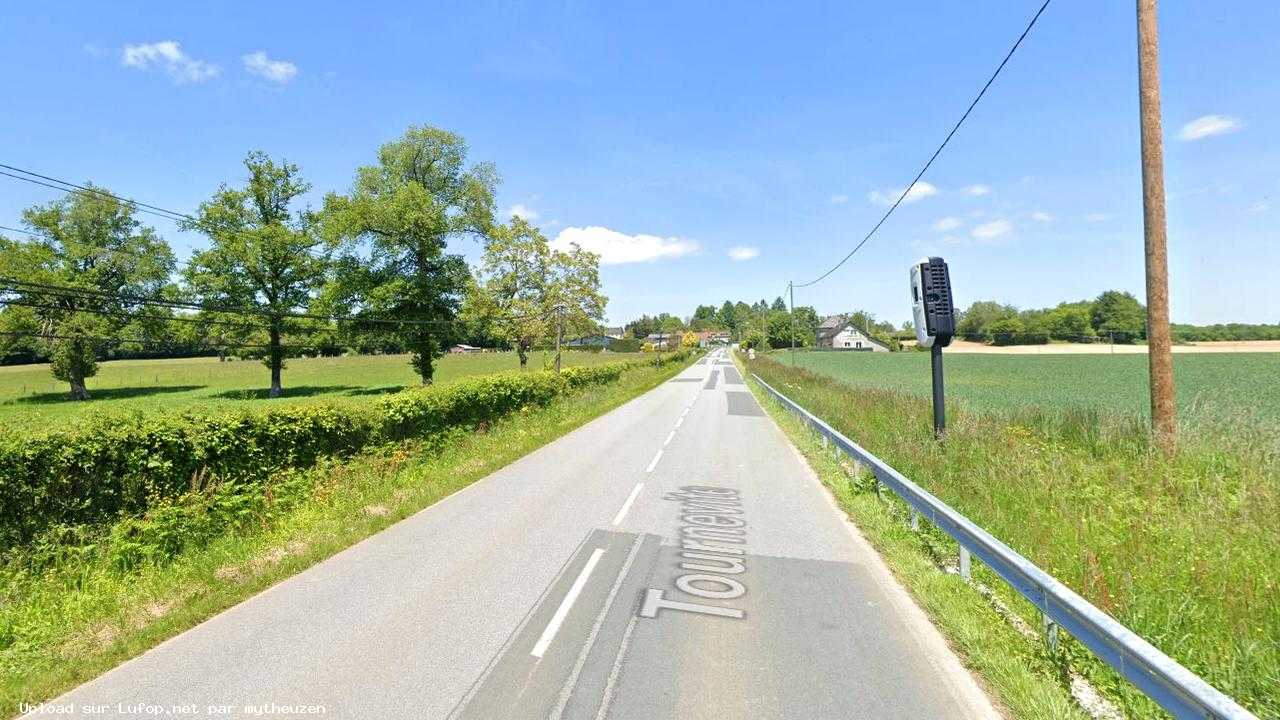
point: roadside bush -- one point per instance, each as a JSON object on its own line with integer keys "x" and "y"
{"x": 127, "y": 464}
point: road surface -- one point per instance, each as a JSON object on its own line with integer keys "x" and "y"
{"x": 674, "y": 558}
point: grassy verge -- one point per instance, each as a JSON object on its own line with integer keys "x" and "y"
{"x": 1179, "y": 551}
{"x": 72, "y": 621}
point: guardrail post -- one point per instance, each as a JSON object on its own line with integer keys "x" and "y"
{"x": 964, "y": 562}
{"x": 915, "y": 520}
{"x": 1050, "y": 632}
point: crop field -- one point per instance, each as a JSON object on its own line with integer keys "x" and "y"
{"x": 30, "y": 392}
{"x": 1218, "y": 388}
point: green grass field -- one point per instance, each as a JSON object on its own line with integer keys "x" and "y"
{"x": 30, "y": 392}
{"x": 1181, "y": 550}
{"x": 1215, "y": 387}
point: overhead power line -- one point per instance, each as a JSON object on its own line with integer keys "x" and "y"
{"x": 70, "y": 187}
{"x": 120, "y": 313}
{"x": 100, "y": 251}
{"x": 86, "y": 293}
{"x": 152, "y": 341}
{"x": 937, "y": 152}
{"x": 96, "y": 191}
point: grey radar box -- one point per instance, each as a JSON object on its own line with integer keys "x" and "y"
{"x": 934, "y": 313}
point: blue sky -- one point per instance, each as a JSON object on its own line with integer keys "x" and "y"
{"x": 669, "y": 135}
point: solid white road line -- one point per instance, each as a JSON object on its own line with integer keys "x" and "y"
{"x": 669, "y": 437}
{"x": 563, "y": 611}
{"x": 617, "y": 519}
{"x": 654, "y": 463}
{"x": 567, "y": 691}
{"x": 607, "y": 700}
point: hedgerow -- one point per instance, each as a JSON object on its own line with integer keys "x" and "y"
{"x": 120, "y": 465}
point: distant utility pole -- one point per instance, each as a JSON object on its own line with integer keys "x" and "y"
{"x": 791, "y": 288}
{"x": 1164, "y": 424}
{"x": 559, "y": 333}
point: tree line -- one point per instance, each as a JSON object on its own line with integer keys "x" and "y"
{"x": 371, "y": 270}
{"x": 760, "y": 324}
{"x": 1113, "y": 316}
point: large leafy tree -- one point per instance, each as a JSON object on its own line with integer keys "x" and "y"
{"x": 1070, "y": 321}
{"x": 1119, "y": 315}
{"x": 521, "y": 282}
{"x": 397, "y": 221}
{"x": 264, "y": 255}
{"x": 975, "y": 322}
{"x": 80, "y": 281}
{"x": 726, "y": 316}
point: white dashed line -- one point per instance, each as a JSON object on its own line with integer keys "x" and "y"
{"x": 654, "y": 463}
{"x": 617, "y": 519}
{"x": 561, "y": 612}
{"x": 678, "y": 422}
{"x": 669, "y": 437}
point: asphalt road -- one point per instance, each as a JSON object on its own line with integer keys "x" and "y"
{"x": 675, "y": 558}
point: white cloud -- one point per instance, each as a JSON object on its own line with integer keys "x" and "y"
{"x": 838, "y": 199}
{"x": 975, "y": 190}
{"x": 615, "y": 248}
{"x": 277, "y": 71}
{"x": 992, "y": 230}
{"x": 1041, "y": 216}
{"x": 1097, "y": 217}
{"x": 1208, "y": 125}
{"x": 1260, "y": 206}
{"x": 742, "y": 252}
{"x": 168, "y": 54}
{"x": 919, "y": 191}
{"x": 524, "y": 212}
{"x": 947, "y": 223}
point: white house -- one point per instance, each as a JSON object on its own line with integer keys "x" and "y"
{"x": 836, "y": 333}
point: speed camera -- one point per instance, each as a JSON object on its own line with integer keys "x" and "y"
{"x": 931, "y": 305}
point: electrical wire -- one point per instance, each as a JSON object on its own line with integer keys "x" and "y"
{"x": 100, "y": 251}
{"x": 937, "y": 152}
{"x": 148, "y": 341}
{"x": 120, "y": 313}
{"x": 98, "y": 191}
{"x": 85, "y": 293}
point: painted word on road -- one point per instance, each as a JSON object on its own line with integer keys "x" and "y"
{"x": 712, "y": 523}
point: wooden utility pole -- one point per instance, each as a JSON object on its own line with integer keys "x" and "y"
{"x": 1164, "y": 423}
{"x": 559, "y": 333}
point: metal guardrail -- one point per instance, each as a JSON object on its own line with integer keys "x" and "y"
{"x": 1178, "y": 690}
